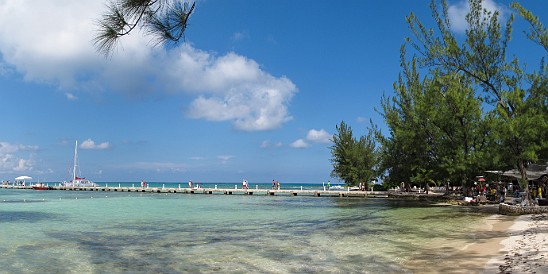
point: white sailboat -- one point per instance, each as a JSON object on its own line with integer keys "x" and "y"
{"x": 78, "y": 181}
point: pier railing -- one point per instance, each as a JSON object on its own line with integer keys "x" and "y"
{"x": 225, "y": 191}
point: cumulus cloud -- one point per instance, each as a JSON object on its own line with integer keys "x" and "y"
{"x": 457, "y": 13}
{"x": 90, "y": 144}
{"x": 318, "y": 136}
{"x": 55, "y": 47}
{"x": 7, "y": 148}
{"x": 315, "y": 136}
{"x": 300, "y": 143}
{"x": 234, "y": 88}
{"x": 16, "y": 157}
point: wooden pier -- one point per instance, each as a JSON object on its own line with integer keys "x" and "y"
{"x": 222, "y": 191}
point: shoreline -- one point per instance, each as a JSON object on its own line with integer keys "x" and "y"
{"x": 498, "y": 244}
{"x": 464, "y": 251}
{"x": 525, "y": 249}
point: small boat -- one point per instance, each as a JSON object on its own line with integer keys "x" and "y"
{"x": 78, "y": 181}
{"x": 337, "y": 187}
{"x": 40, "y": 186}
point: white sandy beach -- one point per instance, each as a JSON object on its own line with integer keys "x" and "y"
{"x": 526, "y": 249}
{"x": 501, "y": 244}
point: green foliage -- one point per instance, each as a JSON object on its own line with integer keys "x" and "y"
{"x": 436, "y": 128}
{"x": 437, "y": 124}
{"x": 354, "y": 160}
{"x": 537, "y": 31}
{"x": 164, "y": 19}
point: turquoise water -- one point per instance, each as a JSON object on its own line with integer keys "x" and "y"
{"x": 98, "y": 232}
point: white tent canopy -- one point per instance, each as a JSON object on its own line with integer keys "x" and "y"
{"x": 23, "y": 178}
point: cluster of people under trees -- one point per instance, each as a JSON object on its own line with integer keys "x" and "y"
{"x": 498, "y": 191}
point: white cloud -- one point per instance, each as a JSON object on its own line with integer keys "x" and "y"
{"x": 240, "y": 35}
{"x": 4, "y": 70}
{"x": 6, "y": 147}
{"x": 48, "y": 41}
{"x": 22, "y": 165}
{"x": 55, "y": 47}
{"x": 12, "y": 160}
{"x": 299, "y": 144}
{"x": 234, "y": 88}
{"x": 224, "y": 158}
{"x": 318, "y": 136}
{"x": 90, "y": 144}
{"x": 71, "y": 96}
{"x": 457, "y": 13}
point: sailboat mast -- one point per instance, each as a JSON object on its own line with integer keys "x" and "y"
{"x": 75, "y": 159}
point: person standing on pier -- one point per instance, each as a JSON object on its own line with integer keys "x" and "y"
{"x": 273, "y": 184}
{"x": 190, "y": 184}
{"x": 277, "y": 184}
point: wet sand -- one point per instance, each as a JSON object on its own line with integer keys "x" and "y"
{"x": 465, "y": 253}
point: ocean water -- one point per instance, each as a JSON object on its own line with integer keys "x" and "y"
{"x": 121, "y": 232}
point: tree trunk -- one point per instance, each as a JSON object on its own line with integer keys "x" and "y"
{"x": 524, "y": 183}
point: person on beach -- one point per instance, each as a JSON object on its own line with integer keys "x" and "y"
{"x": 503, "y": 194}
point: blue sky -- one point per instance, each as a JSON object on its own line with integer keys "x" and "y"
{"x": 254, "y": 93}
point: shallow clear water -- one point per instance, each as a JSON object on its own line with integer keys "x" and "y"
{"x": 99, "y": 232}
